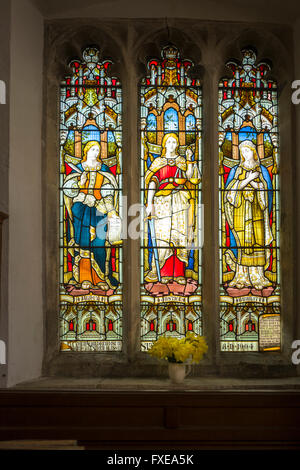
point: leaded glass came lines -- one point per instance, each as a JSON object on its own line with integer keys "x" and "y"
{"x": 249, "y": 207}
{"x": 90, "y": 207}
{"x": 171, "y": 158}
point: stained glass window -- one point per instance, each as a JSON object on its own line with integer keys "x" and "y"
{"x": 249, "y": 207}
{"x": 171, "y": 196}
{"x": 90, "y": 206}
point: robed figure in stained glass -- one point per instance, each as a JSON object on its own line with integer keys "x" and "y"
{"x": 170, "y": 203}
{"x": 248, "y": 204}
{"x": 90, "y": 190}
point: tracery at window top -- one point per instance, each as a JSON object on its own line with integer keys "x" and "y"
{"x": 90, "y": 188}
{"x": 249, "y": 207}
{"x": 171, "y": 193}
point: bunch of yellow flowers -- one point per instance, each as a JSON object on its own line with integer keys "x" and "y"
{"x": 191, "y": 348}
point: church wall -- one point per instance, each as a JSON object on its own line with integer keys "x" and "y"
{"x": 4, "y": 149}
{"x": 25, "y": 251}
{"x": 211, "y": 10}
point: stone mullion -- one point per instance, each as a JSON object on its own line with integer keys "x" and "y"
{"x": 131, "y": 172}
{"x": 210, "y": 253}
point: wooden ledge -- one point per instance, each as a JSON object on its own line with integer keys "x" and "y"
{"x": 154, "y": 419}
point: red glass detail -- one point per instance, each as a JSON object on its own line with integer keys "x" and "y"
{"x": 174, "y": 326}
{"x": 152, "y": 325}
{"x": 253, "y": 327}
{"x": 69, "y": 260}
{"x": 71, "y": 326}
{"x": 226, "y": 172}
{"x": 110, "y": 325}
{"x": 271, "y": 261}
{"x": 113, "y": 169}
{"x": 168, "y": 326}
{"x": 68, "y": 169}
{"x": 94, "y": 326}
{"x": 87, "y": 326}
{"x": 227, "y": 234}
{"x": 190, "y": 326}
{"x": 113, "y": 259}
{"x": 173, "y": 266}
{"x": 230, "y": 327}
{"x": 153, "y": 62}
{"x": 247, "y": 327}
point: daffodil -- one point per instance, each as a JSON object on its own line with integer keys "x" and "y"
{"x": 189, "y": 349}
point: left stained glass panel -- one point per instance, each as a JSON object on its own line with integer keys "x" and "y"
{"x": 90, "y": 206}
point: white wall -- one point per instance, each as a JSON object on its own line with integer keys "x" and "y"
{"x": 4, "y": 149}
{"x": 25, "y": 342}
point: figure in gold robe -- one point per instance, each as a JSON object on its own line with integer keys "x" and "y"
{"x": 247, "y": 201}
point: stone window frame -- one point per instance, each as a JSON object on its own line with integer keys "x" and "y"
{"x": 129, "y": 43}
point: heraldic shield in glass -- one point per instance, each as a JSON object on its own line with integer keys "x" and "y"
{"x": 249, "y": 207}
{"x": 171, "y": 197}
{"x": 90, "y": 209}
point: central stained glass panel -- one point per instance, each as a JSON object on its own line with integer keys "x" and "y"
{"x": 170, "y": 129}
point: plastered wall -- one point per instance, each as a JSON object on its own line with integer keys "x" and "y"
{"x": 25, "y": 324}
{"x": 4, "y": 151}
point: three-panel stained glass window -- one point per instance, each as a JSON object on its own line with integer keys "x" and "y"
{"x": 170, "y": 125}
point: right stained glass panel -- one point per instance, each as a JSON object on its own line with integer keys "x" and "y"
{"x": 249, "y": 207}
